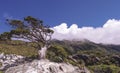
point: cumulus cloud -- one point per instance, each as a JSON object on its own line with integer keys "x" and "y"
{"x": 109, "y": 33}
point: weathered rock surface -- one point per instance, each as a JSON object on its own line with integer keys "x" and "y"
{"x": 10, "y": 60}
{"x": 45, "y": 66}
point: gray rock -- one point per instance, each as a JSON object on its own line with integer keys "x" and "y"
{"x": 10, "y": 60}
{"x": 45, "y": 66}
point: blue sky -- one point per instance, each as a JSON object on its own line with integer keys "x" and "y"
{"x": 54, "y": 12}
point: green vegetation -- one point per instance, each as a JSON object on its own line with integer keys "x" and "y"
{"x": 104, "y": 69}
{"x": 1, "y": 71}
{"x": 17, "y": 47}
{"x": 31, "y": 29}
{"x": 56, "y": 54}
{"x": 98, "y": 58}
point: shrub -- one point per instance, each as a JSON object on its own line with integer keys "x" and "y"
{"x": 56, "y": 54}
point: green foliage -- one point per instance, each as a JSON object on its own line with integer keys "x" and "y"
{"x": 72, "y": 62}
{"x": 97, "y": 53}
{"x": 30, "y": 28}
{"x": 56, "y": 54}
{"x": 5, "y": 36}
{"x": 104, "y": 68}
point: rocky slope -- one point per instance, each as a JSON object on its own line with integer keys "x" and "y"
{"x": 10, "y": 60}
{"x": 45, "y": 66}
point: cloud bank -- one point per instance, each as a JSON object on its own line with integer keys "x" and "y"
{"x": 109, "y": 33}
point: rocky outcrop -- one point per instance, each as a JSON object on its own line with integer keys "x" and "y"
{"x": 45, "y": 66}
{"x": 10, "y": 60}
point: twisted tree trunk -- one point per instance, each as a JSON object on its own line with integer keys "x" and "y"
{"x": 42, "y": 52}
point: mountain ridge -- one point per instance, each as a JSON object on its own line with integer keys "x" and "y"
{"x": 77, "y": 45}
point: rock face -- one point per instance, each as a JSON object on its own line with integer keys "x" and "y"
{"x": 45, "y": 66}
{"x": 10, "y": 60}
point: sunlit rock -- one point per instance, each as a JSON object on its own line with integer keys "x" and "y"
{"x": 10, "y": 60}
{"x": 45, "y": 66}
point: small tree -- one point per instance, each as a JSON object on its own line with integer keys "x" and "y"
{"x": 32, "y": 29}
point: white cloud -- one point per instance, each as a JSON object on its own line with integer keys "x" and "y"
{"x": 109, "y": 33}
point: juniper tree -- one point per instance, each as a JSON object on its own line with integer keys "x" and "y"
{"x": 33, "y": 30}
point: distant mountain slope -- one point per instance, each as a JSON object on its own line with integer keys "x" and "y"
{"x": 85, "y": 45}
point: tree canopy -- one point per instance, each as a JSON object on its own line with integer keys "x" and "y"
{"x": 31, "y": 29}
{"x": 5, "y": 36}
